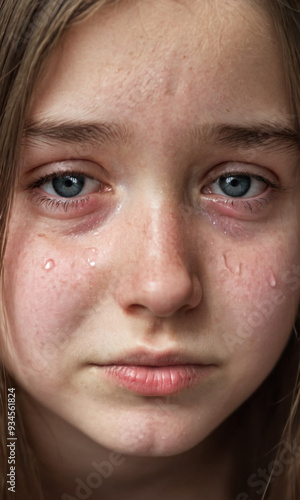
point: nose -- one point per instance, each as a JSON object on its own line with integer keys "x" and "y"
{"x": 161, "y": 276}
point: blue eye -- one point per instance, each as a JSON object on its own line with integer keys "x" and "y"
{"x": 238, "y": 186}
{"x": 235, "y": 186}
{"x": 69, "y": 185}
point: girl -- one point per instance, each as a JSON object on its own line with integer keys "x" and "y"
{"x": 150, "y": 249}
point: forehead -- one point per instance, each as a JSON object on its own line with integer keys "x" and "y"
{"x": 221, "y": 55}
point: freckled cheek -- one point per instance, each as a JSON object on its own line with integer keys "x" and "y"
{"x": 50, "y": 296}
{"x": 258, "y": 304}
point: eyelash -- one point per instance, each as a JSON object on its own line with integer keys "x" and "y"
{"x": 249, "y": 175}
{"x": 239, "y": 203}
{"x": 53, "y": 204}
{"x": 57, "y": 175}
{"x": 244, "y": 203}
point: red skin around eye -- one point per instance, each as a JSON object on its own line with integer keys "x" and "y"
{"x": 73, "y": 208}
{"x": 243, "y": 208}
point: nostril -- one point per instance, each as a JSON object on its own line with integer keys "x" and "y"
{"x": 162, "y": 297}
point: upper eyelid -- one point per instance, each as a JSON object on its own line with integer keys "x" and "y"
{"x": 49, "y": 170}
{"x": 230, "y": 167}
{"x": 277, "y": 186}
{"x": 48, "y": 177}
{"x": 248, "y": 175}
{"x": 233, "y": 169}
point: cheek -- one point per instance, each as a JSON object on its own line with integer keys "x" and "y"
{"x": 259, "y": 292}
{"x": 50, "y": 294}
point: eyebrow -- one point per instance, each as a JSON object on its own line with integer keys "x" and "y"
{"x": 273, "y": 136}
{"x": 74, "y": 132}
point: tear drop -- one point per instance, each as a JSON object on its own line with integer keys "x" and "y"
{"x": 90, "y": 255}
{"x": 272, "y": 280}
{"x": 49, "y": 264}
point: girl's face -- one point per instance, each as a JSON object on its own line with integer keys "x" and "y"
{"x": 156, "y": 216}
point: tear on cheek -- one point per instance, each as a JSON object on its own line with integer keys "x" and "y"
{"x": 237, "y": 267}
{"x": 232, "y": 264}
{"x": 270, "y": 312}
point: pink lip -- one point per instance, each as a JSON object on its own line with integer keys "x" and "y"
{"x": 150, "y": 372}
{"x": 157, "y": 380}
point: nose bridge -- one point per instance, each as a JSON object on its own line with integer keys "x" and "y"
{"x": 163, "y": 244}
{"x": 159, "y": 277}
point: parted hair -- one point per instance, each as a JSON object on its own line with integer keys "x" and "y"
{"x": 268, "y": 423}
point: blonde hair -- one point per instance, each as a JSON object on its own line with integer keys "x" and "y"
{"x": 29, "y": 31}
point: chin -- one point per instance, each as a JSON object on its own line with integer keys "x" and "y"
{"x": 152, "y": 437}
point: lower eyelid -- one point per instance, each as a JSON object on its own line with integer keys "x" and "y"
{"x": 41, "y": 198}
{"x": 243, "y": 208}
{"x": 64, "y": 208}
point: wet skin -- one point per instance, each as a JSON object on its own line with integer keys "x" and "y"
{"x": 183, "y": 238}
